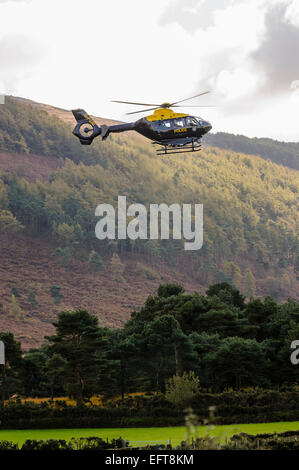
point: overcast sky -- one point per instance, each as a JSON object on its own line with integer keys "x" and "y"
{"x": 70, "y": 54}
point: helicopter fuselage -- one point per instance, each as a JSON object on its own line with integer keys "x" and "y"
{"x": 164, "y": 127}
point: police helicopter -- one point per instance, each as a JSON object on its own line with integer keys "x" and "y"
{"x": 170, "y": 132}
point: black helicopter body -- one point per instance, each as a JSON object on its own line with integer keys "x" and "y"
{"x": 172, "y": 132}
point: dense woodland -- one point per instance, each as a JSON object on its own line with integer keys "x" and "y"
{"x": 283, "y": 153}
{"x": 250, "y": 204}
{"x": 228, "y": 343}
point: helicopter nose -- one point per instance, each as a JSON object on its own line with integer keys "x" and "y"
{"x": 207, "y": 126}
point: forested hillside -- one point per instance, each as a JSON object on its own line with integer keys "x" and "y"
{"x": 250, "y": 211}
{"x": 283, "y": 153}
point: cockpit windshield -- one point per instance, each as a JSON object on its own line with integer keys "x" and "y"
{"x": 191, "y": 121}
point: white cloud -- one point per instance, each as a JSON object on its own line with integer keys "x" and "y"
{"x": 192, "y": 14}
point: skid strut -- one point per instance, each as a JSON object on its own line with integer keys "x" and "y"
{"x": 168, "y": 149}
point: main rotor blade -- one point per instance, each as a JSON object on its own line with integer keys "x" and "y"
{"x": 144, "y": 110}
{"x": 191, "y": 97}
{"x": 195, "y": 106}
{"x": 130, "y": 102}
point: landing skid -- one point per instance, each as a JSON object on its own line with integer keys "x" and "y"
{"x": 168, "y": 149}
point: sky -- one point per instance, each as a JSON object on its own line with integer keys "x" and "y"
{"x": 71, "y": 54}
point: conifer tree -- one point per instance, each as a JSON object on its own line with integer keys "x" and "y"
{"x": 250, "y": 287}
{"x": 15, "y": 309}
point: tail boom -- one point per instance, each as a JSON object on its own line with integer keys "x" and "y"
{"x": 86, "y": 129}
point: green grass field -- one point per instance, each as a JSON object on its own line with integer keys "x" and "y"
{"x": 175, "y": 434}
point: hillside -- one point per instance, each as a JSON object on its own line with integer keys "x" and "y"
{"x": 27, "y": 265}
{"x": 283, "y": 153}
{"x": 51, "y": 185}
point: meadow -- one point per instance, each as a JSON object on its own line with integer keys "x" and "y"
{"x": 174, "y": 434}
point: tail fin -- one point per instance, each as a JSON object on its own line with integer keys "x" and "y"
{"x": 81, "y": 115}
{"x": 86, "y": 129}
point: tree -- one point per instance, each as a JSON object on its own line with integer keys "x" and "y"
{"x": 221, "y": 318}
{"x": 240, "y": 363}
{"x": 32, "y": 299}
{"x": 10, "y": 379}
{"x": 4, "y": 203}
{"x": 14, "y": 309}
{"x": 206, "y": 347}
{"x": 272, "y": 286}
{"x": 66, "y": 233}
{"x": 122, "y": 363}
{"x": 9, "y": 223}
{"x": 167, "y": 290}
{"x": 64, "y": 254}
{"x": 56, "y": 294}
{"x": 33, "y": 373}
{"x": 15, "y": 292}
{"x": 181, "y": 389}
{"x": 168, "y": 348}
{"x": 261, "y": 313}
{"x": 95, "y": 261}
{"x": 227, "y": 294}
{"x": 233, "y": 272}
{"x": 250, "y": 287}
{"x": 77, "y": 339}
{"x": 55, "y": 372}
{"x": 117, "y": 267}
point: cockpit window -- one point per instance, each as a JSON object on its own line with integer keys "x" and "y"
{"x": 179, "y": 122}
{"x": 191, "y": 121}
{"x": 162, "y": 125}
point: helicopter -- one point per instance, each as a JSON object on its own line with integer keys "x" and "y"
{"x": 169, "y": 131}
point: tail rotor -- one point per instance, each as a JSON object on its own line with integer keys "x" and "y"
{"x": 86, "y": 129}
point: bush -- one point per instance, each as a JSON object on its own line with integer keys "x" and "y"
{"x": 180, "y": 390}
{"x": 6, "y": 445}
{"x": 253, "y": 406}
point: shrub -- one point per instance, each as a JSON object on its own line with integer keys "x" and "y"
{"x": 180, "y": 390}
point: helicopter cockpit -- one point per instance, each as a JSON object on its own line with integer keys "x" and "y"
{"x": 181, "y": 122}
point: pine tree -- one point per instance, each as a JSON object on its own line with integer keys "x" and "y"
{"x": 95, "y": 261}
{"x": 32, "y": 299}
{"x": 250, "y": 286}
{"x": 15, "y": 309}
{"x": 233, "y": 272}
{"x": 117, "y": 267}
{"x": 56, "y": 294}
{"x": 66, "y": 233}
{"x": 64, "y": 255}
